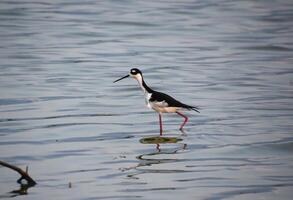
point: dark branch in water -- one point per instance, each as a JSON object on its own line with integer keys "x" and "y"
{"x": 23, "y": 174}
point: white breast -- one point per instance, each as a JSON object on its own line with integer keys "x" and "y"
{"x": 147, "y": 99}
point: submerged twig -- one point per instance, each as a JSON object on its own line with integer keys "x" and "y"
{"x": 23, "y": 174}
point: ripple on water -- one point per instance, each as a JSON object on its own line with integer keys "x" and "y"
{"x": 61, "y": 114}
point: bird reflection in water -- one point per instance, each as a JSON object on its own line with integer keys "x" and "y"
{"x": 162, "y": 140}
{"x": 149, "y": 159}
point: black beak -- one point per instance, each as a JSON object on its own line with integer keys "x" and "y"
{"x": 121, "y": 78}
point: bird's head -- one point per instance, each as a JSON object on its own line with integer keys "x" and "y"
{"x": 134, "y": 73}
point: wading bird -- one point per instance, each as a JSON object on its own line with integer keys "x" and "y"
{"x": 158, "y": 101}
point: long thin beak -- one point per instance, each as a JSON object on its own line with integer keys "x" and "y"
{"x": 121, "y": 78}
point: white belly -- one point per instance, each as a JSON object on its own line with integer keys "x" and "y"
{"x": 166, "y": 109}
{"x": 161, "y": 108}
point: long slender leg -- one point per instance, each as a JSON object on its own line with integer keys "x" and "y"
{"x": 185, "y": 120}
{"x": 158, "y": 148}
{"x": 161, "y": 125}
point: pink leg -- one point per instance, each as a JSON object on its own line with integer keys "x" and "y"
{"x": 161, "y": 125}
{"x": 158, "y": 148}
{"x": 185, "y": 119}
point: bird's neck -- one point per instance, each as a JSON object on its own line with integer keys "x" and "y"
{"x": 143, "y": 85}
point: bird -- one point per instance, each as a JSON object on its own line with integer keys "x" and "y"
{"x": 158, "y": 101}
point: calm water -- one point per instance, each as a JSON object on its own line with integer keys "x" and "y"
{"x": 61, "y": 114}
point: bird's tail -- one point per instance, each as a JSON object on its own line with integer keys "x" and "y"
{"x": 195, "y": 108}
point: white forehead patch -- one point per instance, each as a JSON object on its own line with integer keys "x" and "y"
{"x": 133, "y": 71}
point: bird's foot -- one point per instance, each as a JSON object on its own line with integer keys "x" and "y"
{"x": 182, "y": 131}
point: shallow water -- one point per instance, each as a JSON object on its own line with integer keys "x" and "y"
{"x": 61, "y": 115}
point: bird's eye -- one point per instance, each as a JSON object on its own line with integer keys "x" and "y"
{"x": 133, "y": 71}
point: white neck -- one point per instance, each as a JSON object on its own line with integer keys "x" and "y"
{"x": 139, "y": 80}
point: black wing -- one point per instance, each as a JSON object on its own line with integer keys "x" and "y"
{"x": 159, "y": 96}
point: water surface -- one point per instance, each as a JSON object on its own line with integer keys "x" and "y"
{"x": 61, "y": 115}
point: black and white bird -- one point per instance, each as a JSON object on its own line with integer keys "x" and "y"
{"x": 158, "y": 101}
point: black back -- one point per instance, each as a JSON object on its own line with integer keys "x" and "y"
{"x": 159, "y": 96}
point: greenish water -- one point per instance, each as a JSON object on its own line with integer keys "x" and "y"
{"x": 61, "y": 114}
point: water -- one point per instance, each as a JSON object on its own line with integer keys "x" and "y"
{"x": 61, "y": 115}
